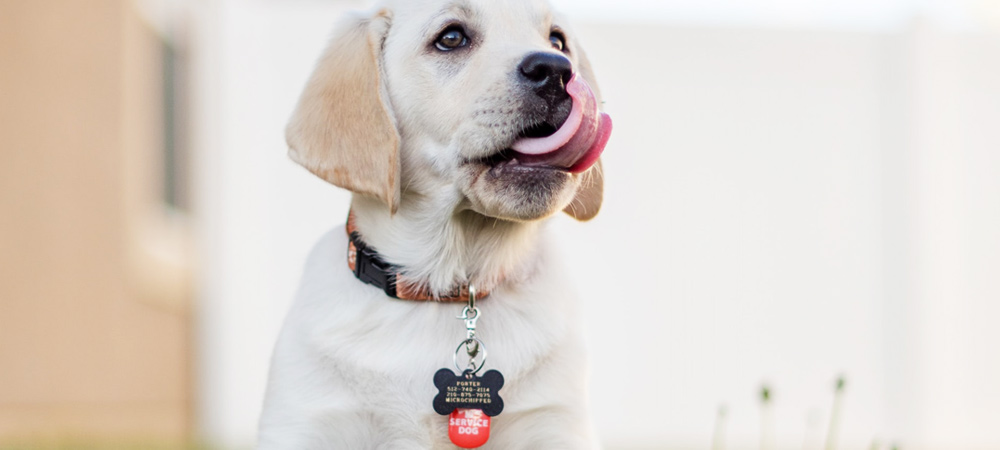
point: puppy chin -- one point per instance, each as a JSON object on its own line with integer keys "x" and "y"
{"x": 519, "y": 193}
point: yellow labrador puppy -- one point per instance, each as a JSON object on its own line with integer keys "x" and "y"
{"x": 460, "y": 126}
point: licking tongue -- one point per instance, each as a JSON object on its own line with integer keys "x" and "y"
{"x": 577, "y": 144}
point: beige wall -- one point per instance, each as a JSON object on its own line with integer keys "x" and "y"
{"x": 93, "y": 327}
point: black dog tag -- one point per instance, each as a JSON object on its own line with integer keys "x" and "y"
{"x": 467, "y": 391}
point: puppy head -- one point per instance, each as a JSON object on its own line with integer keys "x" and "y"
{"x": 490, "y": 104}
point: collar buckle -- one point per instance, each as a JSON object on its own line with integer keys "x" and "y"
{"x": 369, "y": 268}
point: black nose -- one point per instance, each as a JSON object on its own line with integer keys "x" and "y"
{"x": 547, "y": 73}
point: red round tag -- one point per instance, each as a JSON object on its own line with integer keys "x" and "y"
{"x": 469, "y": 428}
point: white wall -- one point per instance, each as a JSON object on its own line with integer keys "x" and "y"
{"x": 782, "y": 206}
{"x": 258, "y": 213}
{"x": 741, "y": 239}
{"x": 942, "y": 192}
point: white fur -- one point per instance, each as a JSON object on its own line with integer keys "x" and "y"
{"x": 353, "y": 368}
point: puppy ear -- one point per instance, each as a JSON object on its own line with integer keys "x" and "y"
{"x": 343, "y": 129}
{"x": 589, "y": 197}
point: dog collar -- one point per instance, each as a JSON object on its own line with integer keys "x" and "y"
{"x": 370, "y": 268}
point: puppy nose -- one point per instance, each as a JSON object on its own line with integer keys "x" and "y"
{"x": 547, "y": 73}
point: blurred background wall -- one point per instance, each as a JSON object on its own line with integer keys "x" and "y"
{"x": 796, "y": 192}
{"x": 95, "y": 275}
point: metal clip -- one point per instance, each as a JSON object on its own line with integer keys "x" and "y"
{"x": 470, "y": 314}
{"x": 470, "y": 325}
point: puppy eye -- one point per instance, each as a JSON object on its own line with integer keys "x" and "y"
{"x": 558, "y": 40}
{"x": 450, "y": 39}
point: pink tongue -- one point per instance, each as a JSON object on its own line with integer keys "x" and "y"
{"x": 577, "y": 144}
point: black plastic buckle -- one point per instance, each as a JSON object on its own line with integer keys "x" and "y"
{"x": 369, "y": 268}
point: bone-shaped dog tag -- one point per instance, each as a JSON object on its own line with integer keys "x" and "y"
{"x": 469, "y": 428}
{"x": 468, "y": 391}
